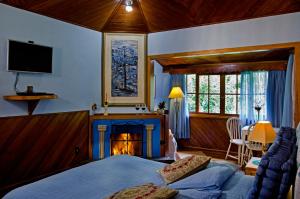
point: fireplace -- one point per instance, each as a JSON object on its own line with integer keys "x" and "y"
{"x": 127, "y": 139}
{"x": 139, "y": 137}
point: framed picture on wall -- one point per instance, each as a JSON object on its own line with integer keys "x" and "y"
{"x": 124, "y": 69}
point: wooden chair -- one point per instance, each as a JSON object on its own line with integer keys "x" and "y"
{"x": 250, "y": 146}
{"x": 234, "y": 126}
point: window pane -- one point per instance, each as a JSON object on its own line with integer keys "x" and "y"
{"x": 238, "y": 104}
{"x": 260, "y": 82}
{"x": 230, "y": 104}
{"x": 203, "y": 103}
{"x": 230, "y": 84}
{"x": 214, "y": 84}
{"x": 239, "y": 84}
{"x": 191, "y": 102}
{"x": 191, "y": 83}
{"x": 203, "y": 84}
{"x": 214, "y": 103}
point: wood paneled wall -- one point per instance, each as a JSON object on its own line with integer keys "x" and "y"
{"x": 38, "y": 145}
{"x": 208, "y": 134}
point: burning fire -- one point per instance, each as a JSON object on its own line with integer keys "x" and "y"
{"x": 123, "y": 147}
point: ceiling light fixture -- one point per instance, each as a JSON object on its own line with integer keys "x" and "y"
{"x": 128, "y": 7}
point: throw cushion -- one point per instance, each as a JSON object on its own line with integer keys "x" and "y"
{"x": 183, "y": 167}
{"x": 145, "y": 191}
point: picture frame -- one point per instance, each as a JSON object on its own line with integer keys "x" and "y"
{"x": 124, "y": 69}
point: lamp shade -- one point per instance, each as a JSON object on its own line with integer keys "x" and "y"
{"x": 263, "y": 132}
{"x": 176, "y": 92}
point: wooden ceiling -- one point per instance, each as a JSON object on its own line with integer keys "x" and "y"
{"x": 230, "y": 62}
{"x": 153, "y": 15}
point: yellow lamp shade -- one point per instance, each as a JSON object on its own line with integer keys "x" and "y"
{"x": 176, "y": 92}
{"x": 263, "y": 132}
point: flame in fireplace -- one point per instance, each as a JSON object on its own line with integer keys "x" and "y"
{"x": 125, "y": 146}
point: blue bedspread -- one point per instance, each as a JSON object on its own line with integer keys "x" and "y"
{"x": 95, "y": 180}
{"x": 101, "y": 178}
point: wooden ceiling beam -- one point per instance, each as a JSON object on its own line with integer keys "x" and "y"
{"x": 221, "y": 68}
{"x": 113, "y": 13}
{"x": 143, "y": 15}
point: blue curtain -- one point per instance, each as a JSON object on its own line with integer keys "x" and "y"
{"x": 162, "y": 86}
{"x": 183, "y": 125}
{"x": 275, "y": 97}
{"x": 287, "y": 118}
{"x": 252, "y": 93}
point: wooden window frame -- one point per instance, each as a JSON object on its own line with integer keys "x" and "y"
{"x": 222, "y": 95}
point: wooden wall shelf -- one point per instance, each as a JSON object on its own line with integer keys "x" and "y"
{"x": 32, "y": 100}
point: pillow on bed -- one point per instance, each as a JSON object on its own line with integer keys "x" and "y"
{"x": 145, "y": 191}
{"x": 195, "y": 194}
{"x": 184, "y": 167}
{"x": 211, "y": 178}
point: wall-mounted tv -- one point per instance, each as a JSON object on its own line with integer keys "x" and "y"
{"x": 29, "y": 57}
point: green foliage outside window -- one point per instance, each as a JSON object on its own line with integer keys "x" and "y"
{"x": 209, "y": 93}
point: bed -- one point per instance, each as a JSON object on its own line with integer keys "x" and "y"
{"x": 102, "y": 178}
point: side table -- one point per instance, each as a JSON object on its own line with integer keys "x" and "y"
{"x": 252, "y": 166}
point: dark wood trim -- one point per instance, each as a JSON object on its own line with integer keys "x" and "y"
{"x": 225, "y": 68}
{"x": 291, "y": 46}
{"x": 125, "y": 116}
{"x": 58, "y": 141}
{"x": 213, "y": 115}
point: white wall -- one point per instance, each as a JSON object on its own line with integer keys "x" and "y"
{"x": 267, "y": 30}
{"x": 76, "y": 62}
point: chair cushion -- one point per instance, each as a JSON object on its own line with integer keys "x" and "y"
{"x": 237, "y": 141}
{"x": 183, "y": 168}
{"x": 146, "y": 191}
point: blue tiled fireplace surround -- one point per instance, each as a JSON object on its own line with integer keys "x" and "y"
{"x": 108, "y": 125}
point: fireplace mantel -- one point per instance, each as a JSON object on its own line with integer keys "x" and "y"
{"x": 127, "y": 116}
{"x": 97, "y": 118}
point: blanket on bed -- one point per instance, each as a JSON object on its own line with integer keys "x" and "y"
{"x": 101, "y": 178}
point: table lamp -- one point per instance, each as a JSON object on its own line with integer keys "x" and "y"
{"x": 176, "y": 93}
{"x": 263, "y": 133}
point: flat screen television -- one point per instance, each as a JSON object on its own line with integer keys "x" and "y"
{"x": 29, "y": 57}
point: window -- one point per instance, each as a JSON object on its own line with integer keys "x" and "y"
{"x": 232, "y": 94}
{"x": 218, "y": 94}
{"x": 191, "y": 92}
